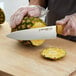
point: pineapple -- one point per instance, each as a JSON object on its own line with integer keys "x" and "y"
{"x": 59, "y": 29}
{"x": 53, "y": 53}
{"x": 29, "y": 23}
{"x": 2, "y": 16}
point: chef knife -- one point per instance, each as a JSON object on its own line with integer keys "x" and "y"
{"x": 48, "y": 32}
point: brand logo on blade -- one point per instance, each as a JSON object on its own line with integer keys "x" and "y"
{"x": 45, "y": 29}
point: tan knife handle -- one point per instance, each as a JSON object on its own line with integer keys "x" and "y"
{"x": 59, "y": 29}
{"x": 2, "y": 16}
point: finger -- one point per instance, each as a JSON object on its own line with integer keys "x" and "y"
{"x": 20, "y": 16}
{"x": 67, "y": 28}
{"x": 19, "y": 10}
{"x": 73, "y": 26}
{"x": 63, "y": 21}
{"x": 17, "y": 17}
{"x": 13, "y": 18}
{"x": 12, "y": 22}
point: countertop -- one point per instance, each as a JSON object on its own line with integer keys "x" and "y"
{"x": 19, "y": 60}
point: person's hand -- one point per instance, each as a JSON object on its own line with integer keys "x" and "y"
{"x": 21, "y": 12}
{"x": 69, "y": 23}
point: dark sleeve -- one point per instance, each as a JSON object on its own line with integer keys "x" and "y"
{"x": 46, "y": 3}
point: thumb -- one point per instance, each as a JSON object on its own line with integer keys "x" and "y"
{"x": 63, "y": 21}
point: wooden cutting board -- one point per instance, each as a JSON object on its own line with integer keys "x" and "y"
{"x": 19, "y": 60}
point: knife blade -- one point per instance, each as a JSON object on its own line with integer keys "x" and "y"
{"x": 48, "y": 32}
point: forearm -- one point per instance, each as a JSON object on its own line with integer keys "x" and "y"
{"x": 37, "y": 2}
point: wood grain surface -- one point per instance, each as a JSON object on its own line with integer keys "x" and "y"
{"x": 19, "y": 60}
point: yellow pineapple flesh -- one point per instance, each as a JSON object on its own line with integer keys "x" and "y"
{"x": 53, "y": 53}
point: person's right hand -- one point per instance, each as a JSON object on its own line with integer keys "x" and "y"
{"x": 21, "y": 12}
{"x": 69, "y": 24}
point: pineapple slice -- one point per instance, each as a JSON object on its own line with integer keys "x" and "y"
{"x": 53, "y": 53}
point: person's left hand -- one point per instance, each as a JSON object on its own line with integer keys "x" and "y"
{"x": 31, "y": 10}
{"x": 69, "y": 23}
